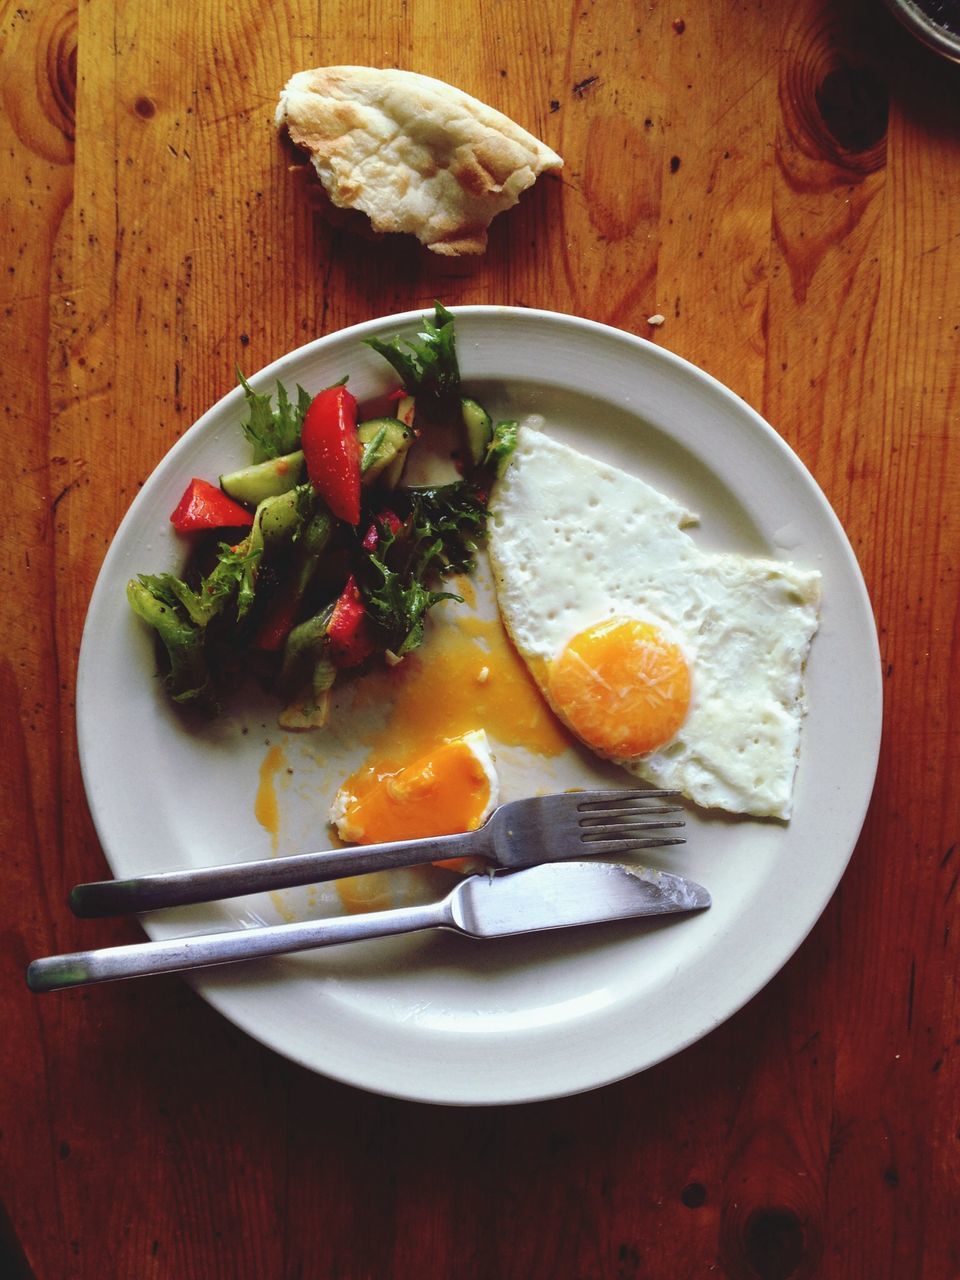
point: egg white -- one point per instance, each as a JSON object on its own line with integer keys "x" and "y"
{"x": 574, "y": 541}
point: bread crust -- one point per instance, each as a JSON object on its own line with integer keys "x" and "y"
{"x": 414, "y": 154}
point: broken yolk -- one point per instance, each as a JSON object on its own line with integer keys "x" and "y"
{"x": 622, "y": 687}
{"x": 467, "y": 676}
{"x": 444, "y": 792}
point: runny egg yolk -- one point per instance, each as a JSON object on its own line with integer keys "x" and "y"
{"x": 443, "y": 792}
{"x": 467, "y": 676}
{"x": 622, "y": 686}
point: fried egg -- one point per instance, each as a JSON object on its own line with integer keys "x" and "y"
{"x": 450, "y": 789}
{"x": 684, "y": 666}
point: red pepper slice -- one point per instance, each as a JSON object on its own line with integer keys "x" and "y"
{"x": 349, "y": 628}
{"x": 204, "y": 506}
{"x": 332, "y": 451}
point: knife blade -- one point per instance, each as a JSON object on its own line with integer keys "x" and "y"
{"x": 563, "y": 895}
{"x": 555, "y": 895}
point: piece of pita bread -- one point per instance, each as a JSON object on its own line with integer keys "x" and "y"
{"x": 412, "y": 153}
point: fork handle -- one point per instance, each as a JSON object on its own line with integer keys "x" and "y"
{"x": 207, "y": 884}
{"x": 140, "y": 959}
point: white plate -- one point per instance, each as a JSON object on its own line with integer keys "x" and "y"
{"x": 435, "y": 1017}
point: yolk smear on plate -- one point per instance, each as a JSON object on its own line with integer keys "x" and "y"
{"x": 265, "y": 808}
{"x": 467, "y": 676}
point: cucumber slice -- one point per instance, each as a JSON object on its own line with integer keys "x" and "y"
{"x": 279, "y": 517}
{"x": 384, "y": 442}
{"x": 479, "y": 429}
{"x": 264, "y": 479}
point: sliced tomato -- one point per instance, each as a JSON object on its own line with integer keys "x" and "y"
{"x": 204, "y": 506}
{"x": 332, "y": 451}
{"x": 349, "y": 630}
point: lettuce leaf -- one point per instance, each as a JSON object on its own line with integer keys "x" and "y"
{"x": 427, "y": 364}
{"x": 273, "y": 432}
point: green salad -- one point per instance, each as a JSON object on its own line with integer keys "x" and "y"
{"x": 316, "y": 558}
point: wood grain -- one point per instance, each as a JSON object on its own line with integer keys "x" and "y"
{"x": 781, "y": 183}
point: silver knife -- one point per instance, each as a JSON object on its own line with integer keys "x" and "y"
{"x": 554, "y": 896}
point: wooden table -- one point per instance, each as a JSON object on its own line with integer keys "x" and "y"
{"x": 782, "y": 184}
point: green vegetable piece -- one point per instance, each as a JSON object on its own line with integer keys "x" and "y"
{"x": 478, "y": 427}
{"x": 246, "y": 560}
{"x": 264, "y": 479}
{"x": 236, "y": 568}
{"x": 439, "y": 535}
{"x": 188, "y": 677}
{"x": 501, "y": 446}
{"x": 408, "y": 606}
{"x": 305, "y": 647}
{"x": 370, "y": 450}
{"x": 273, "y": 432}
{"x": 310, "y": 706}
{"x": 276, "y": 521}
{"x": 316, "y": 534}
{"x": 428, "y": 363}
{"x": 281, "y": 517}
{"x": 308, "y": 554}
{"x": 385, "y": 444}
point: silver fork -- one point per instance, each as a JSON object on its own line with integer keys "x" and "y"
{"x": 522, "y": 833}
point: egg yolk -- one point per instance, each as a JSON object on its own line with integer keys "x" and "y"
{"x": 622, "y": 686}
{"x": 443, "y": 792}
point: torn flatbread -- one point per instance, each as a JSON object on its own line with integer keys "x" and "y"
{"x": 413, "y": 153}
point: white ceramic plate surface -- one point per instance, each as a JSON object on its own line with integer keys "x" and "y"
{"x": 436, "y": 1017}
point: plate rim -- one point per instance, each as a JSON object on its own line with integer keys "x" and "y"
{"x": 223, "y": 998}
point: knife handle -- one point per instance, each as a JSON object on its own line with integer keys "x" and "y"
{"x": 141, "y": 959}
{"x": 207, "y": 884}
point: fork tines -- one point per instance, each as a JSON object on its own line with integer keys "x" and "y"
{"x": 597, "y": 806}
{"x": 625, "y": 817}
